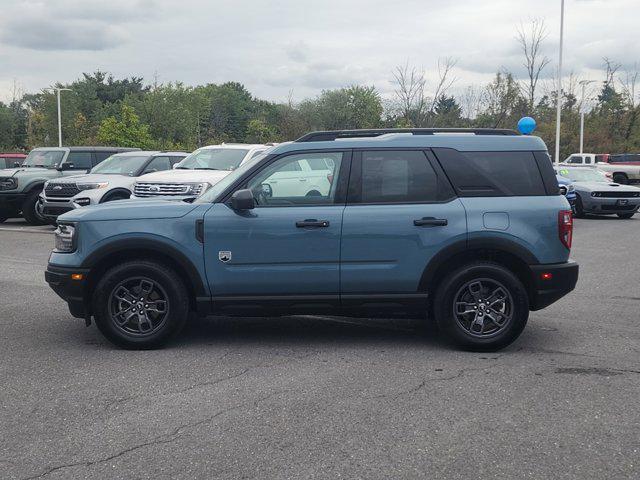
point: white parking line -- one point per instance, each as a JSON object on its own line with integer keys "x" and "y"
{"x": 25, "y": 230}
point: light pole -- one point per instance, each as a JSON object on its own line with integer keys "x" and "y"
{"x": 559, "y": 94}
{"x": 583, "y": 83}
{"x": 58, "y": 90}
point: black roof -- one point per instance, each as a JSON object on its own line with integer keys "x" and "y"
{"x": 102, "y": 149}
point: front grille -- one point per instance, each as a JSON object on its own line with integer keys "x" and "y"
{"x": 616, "y": 194}
{"x": 61, "y": 189}
{"x": 156, "y": 189}
{"x": 55, "y": 211}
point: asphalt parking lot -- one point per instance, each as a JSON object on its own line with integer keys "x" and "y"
{"x": 324, "y": 398}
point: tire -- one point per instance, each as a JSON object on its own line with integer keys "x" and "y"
{"x": 162, "y": 322}
{"x": 578, "y": 209}
{"x": 313, "y": 193}
{"x": 626, "y": 215}
{"x": 30, "y": 212}
{"x": 620, "y": 178}
{"x": 490, "y": 281}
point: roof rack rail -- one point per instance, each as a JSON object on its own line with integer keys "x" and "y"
{"x": 330, "y": 135}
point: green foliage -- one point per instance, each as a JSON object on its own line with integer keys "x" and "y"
{"x": 127, "y": 131}
{"x": 126, "y": 112}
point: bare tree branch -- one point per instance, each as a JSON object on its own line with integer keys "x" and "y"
{"x": 530, "y": 39}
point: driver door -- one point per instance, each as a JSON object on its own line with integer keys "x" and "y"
{"x": 288, "y": 247}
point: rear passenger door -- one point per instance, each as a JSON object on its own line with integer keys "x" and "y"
{"x": 400, "y": 212}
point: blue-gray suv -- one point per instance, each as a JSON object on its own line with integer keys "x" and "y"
{"x": 466, "y": 227}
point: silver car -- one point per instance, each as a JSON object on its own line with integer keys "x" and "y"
{"x": 596, "y": 194}
{"x": 112, "y": 179}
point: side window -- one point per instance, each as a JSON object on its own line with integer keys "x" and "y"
{"x": 395, "y": 176}
{"x": 157, "y": 165}
{"x": 575, "y": 159}
{"x": 492, "y": 174}
{"x": 100, "y": 156}
{"x": 80, "y": 160}
{"x": 587, "y": 159}
{"x": 600, "y": 158}
{"x": 286, "y": 183}
{"x": 175, "y": 159}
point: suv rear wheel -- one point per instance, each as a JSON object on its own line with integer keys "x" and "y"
{"x": 140, "y": 304}
{"x": 482, "y": 306}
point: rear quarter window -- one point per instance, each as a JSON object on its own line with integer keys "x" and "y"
{"x": 492, "y": 174}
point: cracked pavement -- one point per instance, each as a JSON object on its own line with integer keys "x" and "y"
{"x": 306, "y": 397}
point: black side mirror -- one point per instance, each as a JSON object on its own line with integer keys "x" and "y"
{"x": 16, "y": 164}
{"x": 66, "y": 166}
{"x": 243, "y": 200}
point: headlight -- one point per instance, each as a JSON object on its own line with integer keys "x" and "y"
{"x": 92, "y": 185}
{"x": 198, "y": 189}
{"x": 65, "y": 238}
{"x": 8, "y": 183}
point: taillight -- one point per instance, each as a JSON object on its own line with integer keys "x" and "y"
{"x": 330, "y": 178}
{"x": 565, "y": 227}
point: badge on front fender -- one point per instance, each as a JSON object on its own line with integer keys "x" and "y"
{"x": 224, "y": 256}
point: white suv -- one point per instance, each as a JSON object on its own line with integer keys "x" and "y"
{"x": 198, "y": 171}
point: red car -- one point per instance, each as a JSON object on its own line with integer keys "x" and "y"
{"x": 9, "y": 160}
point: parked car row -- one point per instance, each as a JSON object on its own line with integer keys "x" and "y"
{"x": 624, "y": 168}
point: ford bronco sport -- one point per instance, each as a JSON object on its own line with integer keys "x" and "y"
{"x": 466, "y": 227}
{"x": 20, "y": 187}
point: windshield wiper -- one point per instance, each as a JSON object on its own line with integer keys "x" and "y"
{"x": 206, "y": 168}
{"x": 182, "y": 168}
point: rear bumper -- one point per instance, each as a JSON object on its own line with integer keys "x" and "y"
{"x": 71, "y": 291}
{"x": 545, "y": 291}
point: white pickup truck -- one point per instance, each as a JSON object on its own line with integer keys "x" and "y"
{"x": 623, "y": 172}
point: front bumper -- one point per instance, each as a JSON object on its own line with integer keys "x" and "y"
{"x": 71, "y": 291}
{"x": 54, "y": 207}
{"x": 610, "y": 205}
{"x": 11, "y": 203}
{"x": 547, "y": 289}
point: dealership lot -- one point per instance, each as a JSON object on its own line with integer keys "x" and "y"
{"x": 325, "y": 398}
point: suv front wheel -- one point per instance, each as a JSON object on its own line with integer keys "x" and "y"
{"x": 482, "y": 306}
{"x": 140, "y": 304}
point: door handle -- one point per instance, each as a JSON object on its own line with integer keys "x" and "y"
{"x": 302, "y": 179}
{"x": 430, "y": 222}
{"x": 312, "y": 223}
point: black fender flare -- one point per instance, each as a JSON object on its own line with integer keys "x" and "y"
{"x": 132, "y": 244}
{"x": 114, "y": 191}
{"x": 469, "y": 245}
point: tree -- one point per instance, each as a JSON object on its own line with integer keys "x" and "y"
{"x": 530, "y": 39}
{"x": 126, "y": 131}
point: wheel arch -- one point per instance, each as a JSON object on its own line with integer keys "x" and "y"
{"x": 115, "y": 191}
{"x": 120, "y": 251}
{"x": 507, "y": 253}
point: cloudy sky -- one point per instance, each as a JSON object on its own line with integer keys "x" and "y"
{"x": 275, "y": 46}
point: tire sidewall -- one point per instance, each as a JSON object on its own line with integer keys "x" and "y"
{"x": 177, "y": 298}
{"x": 29, "y": 209}
{"x": 443, "y": 307}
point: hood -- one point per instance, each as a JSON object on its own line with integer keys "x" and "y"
{"x": 129, "y": 210}
{"x": 185, "y": 176}
{"x": 89, "y": 177}
{"x": 604, "y": 187}
{"x": 11, "y": 172}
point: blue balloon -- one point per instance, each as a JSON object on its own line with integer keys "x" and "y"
{"x": 526, "y": 125}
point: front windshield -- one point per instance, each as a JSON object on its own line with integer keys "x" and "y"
{"x": 120, "y": 165}
{"x": 219, "y": 187}
{"x": 213, "y": 159}
{"x": 582, "y": 175}
{"x": 44, "y": 158}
